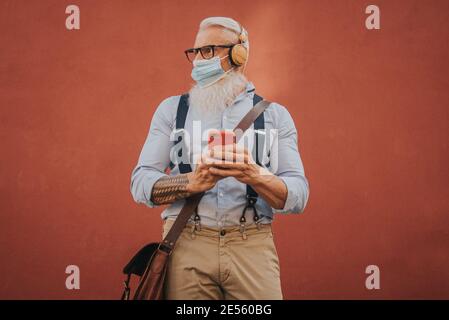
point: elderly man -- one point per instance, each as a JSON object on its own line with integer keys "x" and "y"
{"x": 226, "y": 251}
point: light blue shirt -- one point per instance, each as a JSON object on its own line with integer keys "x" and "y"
{"x": 222, "y": 205}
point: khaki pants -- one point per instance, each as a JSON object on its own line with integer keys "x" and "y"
{"x": 209, "y": 265}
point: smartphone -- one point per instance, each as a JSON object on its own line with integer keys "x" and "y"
{"x": 221, "y": 137}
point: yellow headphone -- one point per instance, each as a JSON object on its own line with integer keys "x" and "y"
{"x": 239, "y": 53}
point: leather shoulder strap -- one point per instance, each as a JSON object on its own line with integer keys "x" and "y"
{"x": 192, "y": 202}
{"x": 252, "y": 115}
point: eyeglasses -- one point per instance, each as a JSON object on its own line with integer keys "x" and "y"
{"x": 207, "y": 52}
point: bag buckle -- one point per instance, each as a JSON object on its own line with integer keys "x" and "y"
{"x": 166, "y": 246}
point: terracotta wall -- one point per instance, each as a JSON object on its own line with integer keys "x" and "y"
{"x": 371, "y": 109}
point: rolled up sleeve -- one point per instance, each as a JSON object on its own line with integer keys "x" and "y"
{"x": 155, "y": 155}
{"x": 290, "y": 168}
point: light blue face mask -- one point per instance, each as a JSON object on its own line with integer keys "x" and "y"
{"x": 208, "y": 71}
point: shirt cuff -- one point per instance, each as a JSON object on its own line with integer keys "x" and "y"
{"x": 292, "y": 196}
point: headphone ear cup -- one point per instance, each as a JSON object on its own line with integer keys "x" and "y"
{"x": 239, "y": 55}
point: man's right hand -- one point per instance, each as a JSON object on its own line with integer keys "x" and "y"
{"x": 201, "y": 179}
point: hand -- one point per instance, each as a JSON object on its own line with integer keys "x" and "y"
{"x": 235, "y": 161}
{"x": 201, "y": 179}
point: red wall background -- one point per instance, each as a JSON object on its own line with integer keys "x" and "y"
{"x": 371, "y": 108}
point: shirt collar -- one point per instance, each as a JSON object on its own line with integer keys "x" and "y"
{"x": 249, "y": 91}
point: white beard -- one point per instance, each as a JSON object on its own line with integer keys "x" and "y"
{"x": 216, "y": 97}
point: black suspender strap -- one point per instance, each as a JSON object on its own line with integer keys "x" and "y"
{"x": 181, "y": 115}
{"x": 259, "y": 124}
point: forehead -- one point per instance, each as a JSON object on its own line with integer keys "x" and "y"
{"x": 214, "y": 35}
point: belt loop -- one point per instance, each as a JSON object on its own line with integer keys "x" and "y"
{"x": 192, "y": 232}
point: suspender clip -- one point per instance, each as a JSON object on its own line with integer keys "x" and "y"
{"x": 242, "y": 223}
{"x": 197, "y": 224}
{"x": 197, "y": 220}
{"x": 251, "y": 203}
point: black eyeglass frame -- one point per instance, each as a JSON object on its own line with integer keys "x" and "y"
{"x": 212, "y": 46}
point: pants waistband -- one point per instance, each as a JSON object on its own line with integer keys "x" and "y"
{"x": 233, "y": 231}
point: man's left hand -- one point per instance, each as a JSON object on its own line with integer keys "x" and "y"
{"x": 232, "y": 160}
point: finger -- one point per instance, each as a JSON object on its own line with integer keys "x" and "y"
{"x": 214, "y": 154}
{"x": 224, "y": 172}
{"x": 237, "y": 148}
{"x": 218, "y": 149}
{"x": 203, "y": 162}
{"x": 232, "y": 147}
{"x": 230, "y": 165}
{"x": 244, "y": 150}
{"x": 212, "y": 160}
{"x": 230, "y": 156}
{"x": 229, "y": 147}
{"x": 207, "y": 159}
{"x": 241, "y": 150}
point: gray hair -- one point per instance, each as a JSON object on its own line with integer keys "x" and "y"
{"x": 227, "y": 23}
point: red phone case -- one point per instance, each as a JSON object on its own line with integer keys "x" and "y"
{"x": 221, "y": 137}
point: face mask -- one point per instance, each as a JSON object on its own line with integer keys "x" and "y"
{"x": 208, "y": 71}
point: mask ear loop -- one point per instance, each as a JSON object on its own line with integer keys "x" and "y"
{"x": 246, "y": 62}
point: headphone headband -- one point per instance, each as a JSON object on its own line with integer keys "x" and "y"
{"x": 239, "y": 52}
{"x": 242, "y": 37}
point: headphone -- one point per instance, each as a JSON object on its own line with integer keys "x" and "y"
{"x": 238, "y": 54}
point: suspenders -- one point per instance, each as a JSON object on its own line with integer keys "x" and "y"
{"x": 251, "y": 195}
